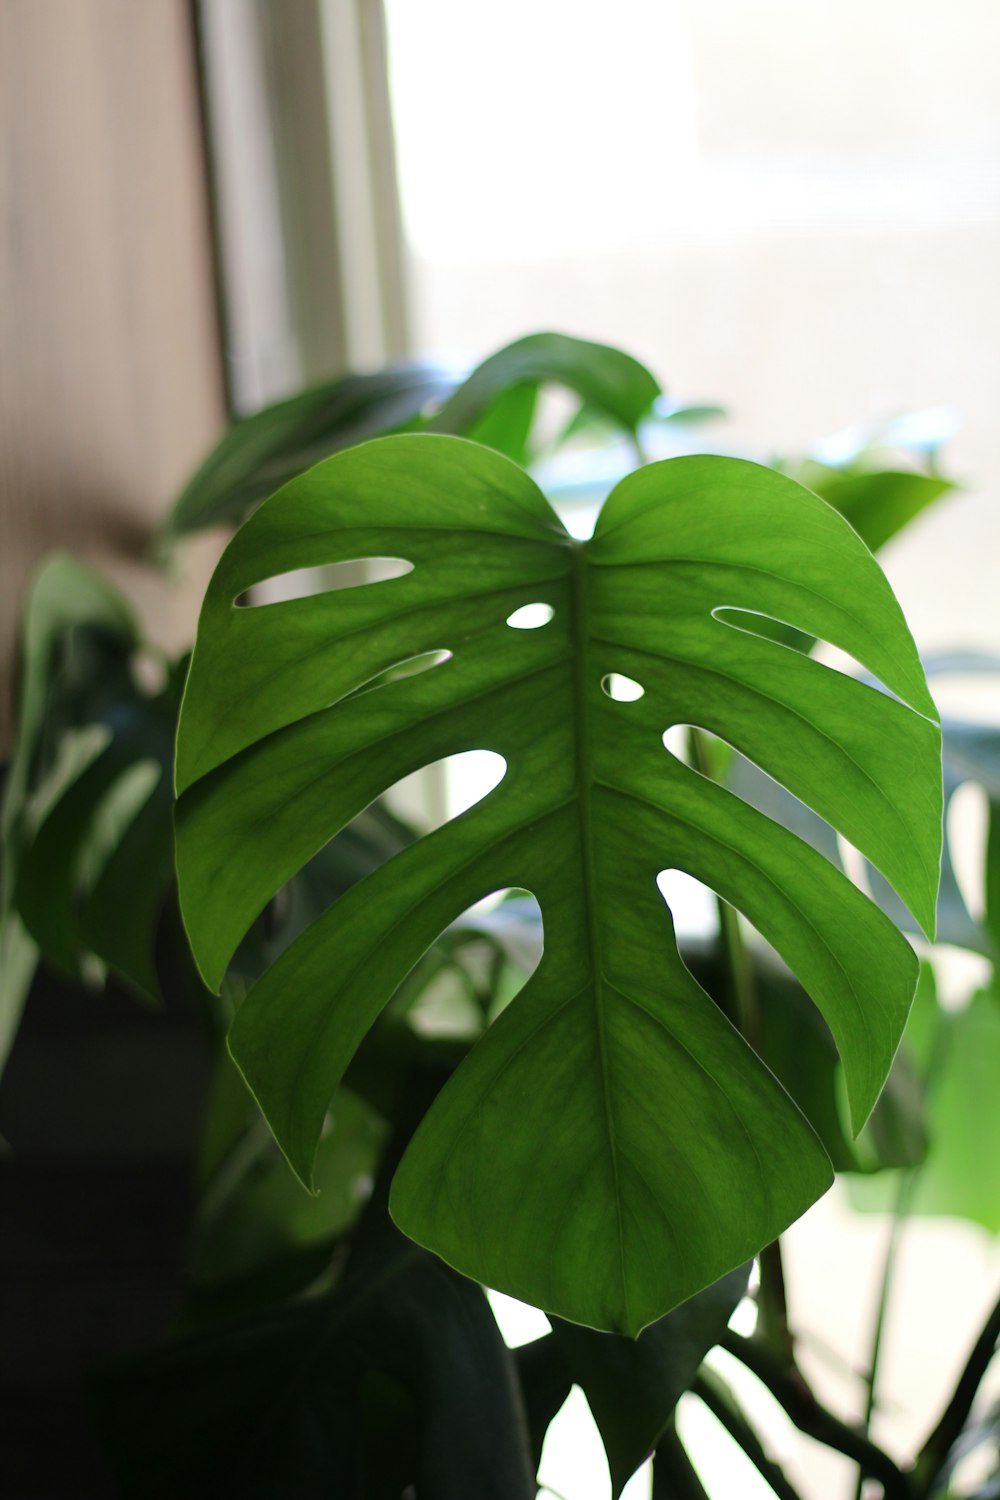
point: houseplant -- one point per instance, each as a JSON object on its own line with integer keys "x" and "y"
{"x": 632, "y": 1386}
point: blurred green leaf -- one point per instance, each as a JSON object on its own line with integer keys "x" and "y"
{"x": 879, "y": 504}
{"x": 95, "y": 875}
{"x": 796, "y": 1043}
{"x": 262, "y": 452}
{"x": 253, "y": 1210}
{"x": 959, "y": 1053}
{"x": 75, "y": 646}
{"x": 611, "y": 384}
{"x": 494, "y": 405}
{"x": 955, "y": 925}
{"x": 507, "y": 422}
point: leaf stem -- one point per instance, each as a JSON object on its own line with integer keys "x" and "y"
{"x": 935, "y": 1450}
{"x": 772, "y": 1305}
{"x": 681, "y": 1481}
{"x": 904, "y": 1197}
{"x": 790, "y": 1389}
{"x": 716, "y": 1395}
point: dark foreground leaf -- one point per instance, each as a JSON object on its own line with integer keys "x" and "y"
{"x": 633, "y": 1385}
{"x": 398, "y": 1378}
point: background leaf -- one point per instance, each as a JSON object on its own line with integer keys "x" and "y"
{"x": 878, "y": 503}
{"x": 959, "y": 1053}
{"x": 612, "y": 385}
{"x": 261, "y": 452}
{"x": 76, "y": 642}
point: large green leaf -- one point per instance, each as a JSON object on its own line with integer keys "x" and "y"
{"x": 593, "y": 1153}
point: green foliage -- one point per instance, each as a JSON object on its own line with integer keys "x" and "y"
{"x": 494, "y": 405}
{"x": 878, "y": 503}
{"x": 318, "y": 1351}
{"x": 554, "y": 1147}
{"x": 956, "y": 1053}
{"x": 91, "y": 746}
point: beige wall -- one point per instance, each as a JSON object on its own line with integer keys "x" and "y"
{"x": 110, "y": 377}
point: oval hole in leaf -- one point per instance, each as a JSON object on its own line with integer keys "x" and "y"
{"x": 751, "y": 783}
{"x": 411, "y": 667}
{"x": 783, "y": 633}
{"x": 446, "y": 788}
{"x": 302, "y": 583}
{"x": 470, "y": 777}
{"x": 967, "y": 819}
{"x": 854, "y": 864}
{"x": 478, "y": 965}
{"x": 622, "y": 689}
{"x": 692, "y": 905}
{"x": 530, "y": 616}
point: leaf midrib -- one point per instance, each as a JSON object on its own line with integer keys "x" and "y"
{"x": 580, "y": 617}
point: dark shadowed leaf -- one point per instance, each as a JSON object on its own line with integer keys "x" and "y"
{"x": 96, "y": 873}
{"x": 797, "y": 1045}
{"x": 399, "y": 1377}
{"x": 265, "y": 450}
{"x": 633, "y": 1385}
{"x": 76, "y": 640}
{"x": 674, "y": 1475}
{"x": 545, "y": 1384}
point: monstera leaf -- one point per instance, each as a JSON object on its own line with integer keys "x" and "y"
{"x": 613, "y": 1143}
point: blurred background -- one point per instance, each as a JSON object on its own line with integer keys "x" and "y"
{"x": 790, "y": 211}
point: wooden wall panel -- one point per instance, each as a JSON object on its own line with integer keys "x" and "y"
{"x": 110, "y": 369}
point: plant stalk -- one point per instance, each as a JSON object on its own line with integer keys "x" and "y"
{"x": 681, "y": 1481}
{"x": 900, "y": 1213}
{"x": 726, "y": 1410}
{"x": 935, "y": 1450}
{"x": 792, "y": 1392}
